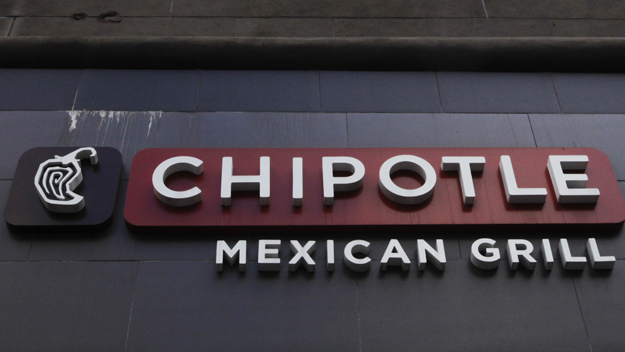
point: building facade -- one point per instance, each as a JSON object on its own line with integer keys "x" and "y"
{"x": 267, "y": 74}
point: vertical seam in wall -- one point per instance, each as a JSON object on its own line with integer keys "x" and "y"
{"x": 11, "y": 28}
{"x": 171, "y": 8}
{"x": 553, "y": 85}
{"x": 77, "y": 89}
{"x": 438, "y": 89}
{"x": 333, "y": 32}
{"x": 347, "y": 128}
{"x": 199, "y": 87}
{"x": 484, "y": 6}
{"x": 529, "y": 120}
{"x": 319, "y": 88}
{"x": 132, "y": 303}
{"x": 579, "y": 305}
{"x": 30, "y": 249}
{"x": 358, "y": 311}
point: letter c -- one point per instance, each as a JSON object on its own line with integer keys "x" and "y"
{"x": 170, "y": 166}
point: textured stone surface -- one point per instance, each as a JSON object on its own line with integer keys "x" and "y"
{"x": 158, "y": 34}
{"x": 90, "y": 7}
{"x": 178, "y": 26}
{"x": 328, "y": 8}
{"x": 5, "y": 25}
{"x": 476, "y": 27}
{"x": 606, "y": 9}
{"x": 313, "y": 27}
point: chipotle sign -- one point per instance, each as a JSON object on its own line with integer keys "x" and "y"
{"x": 257, "y": 189}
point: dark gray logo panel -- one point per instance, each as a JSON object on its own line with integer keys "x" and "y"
{"x": 42, "y": 179}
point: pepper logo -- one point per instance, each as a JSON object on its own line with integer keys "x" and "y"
{"x": 57, "y": 178}
{"x": 64, "y": 189}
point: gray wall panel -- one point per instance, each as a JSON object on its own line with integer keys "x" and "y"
{"x": 467, "y": 309}
{"x": 61, "y": 306}
{"x": 590, "y": 93}
{"x": 259, "y": 91}
{"x": 13, "y": 246}
{"x": 138, "y": 90}
{"x": 439, "y": 130}
{"x": 30, "y": 89}
{"x": 343, "y": 91}
{"x": 601, "y": 301}
{"x": 603, "y": 132}
{"x": 20, "y": 131}
{"x": 230, "y": 311}
{"x": 497, "y": 92}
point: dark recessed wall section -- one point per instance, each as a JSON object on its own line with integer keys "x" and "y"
{"x": 521, "y": 54}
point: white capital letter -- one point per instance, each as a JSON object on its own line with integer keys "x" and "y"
{"x": 168, "y": 167}
{"x": 395, "y": 255}
{"x": 514, "y": 194}
{"x": 269, "y": 255}
{"x": 545, "y": 248}
{"x": 348, "y": 183}
{"x": 238, "y": 251}
{"x": 481, "y": 261}
{"x": 569, "y": 262}
{"x": 330, "y": 255}
{"x": 598, "y": 261}
{"x": 436, "y": 256}
{"x": 244, "y": 183}
{"x": 569, "y": 188}
{"x": 354, "y": 263}
{"x": 464, "y": 165}
{"x": 524, "y": 255}
{"x": 302, "y": 256}
{"x": 402, "y": 195}
{"x": 298, "y": 182}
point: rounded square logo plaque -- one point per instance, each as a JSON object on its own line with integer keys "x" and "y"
{"x": 64, "y": 189}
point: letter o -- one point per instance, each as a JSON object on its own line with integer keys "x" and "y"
{"x": 407, "y": 196}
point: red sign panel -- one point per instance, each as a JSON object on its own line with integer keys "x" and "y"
{"x": 368, "y": 206}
